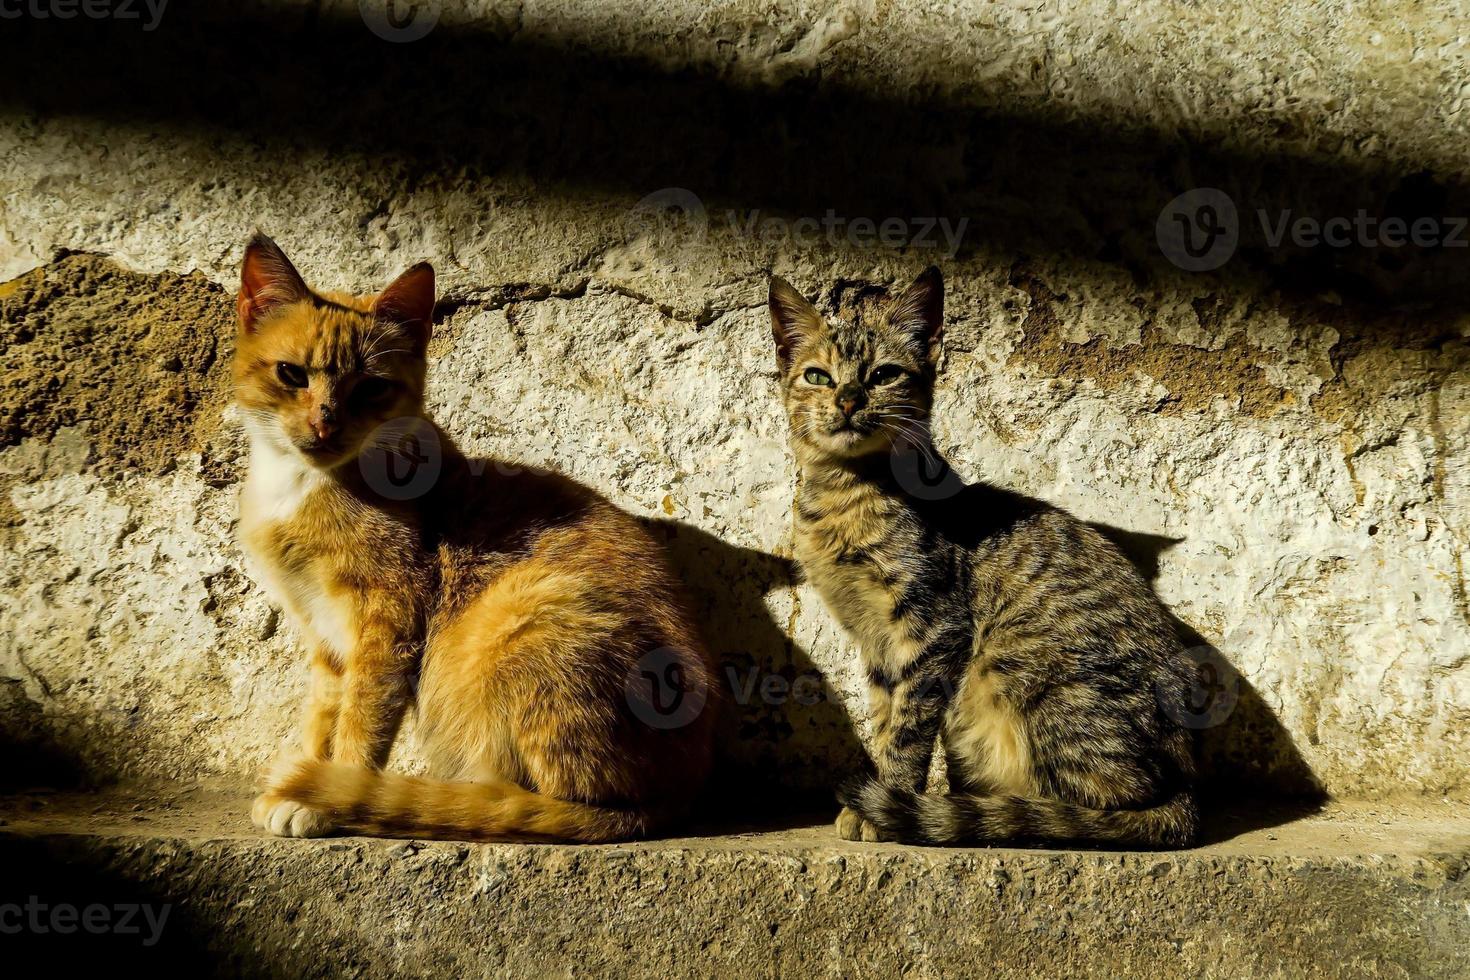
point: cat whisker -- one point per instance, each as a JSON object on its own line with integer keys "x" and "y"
{"x": 384, "y": 353}
{"x": 379, "y": 334}
{"x": 373, "y": 339}
{"x": 917, "y": 436}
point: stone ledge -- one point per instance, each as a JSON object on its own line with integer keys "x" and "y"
{"x": 1356, "y": 889}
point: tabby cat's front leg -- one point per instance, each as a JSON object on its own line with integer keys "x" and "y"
{"x": 909, "y": 704}
{"x": 904, "y": 746}
{"x": 850, "y": 826}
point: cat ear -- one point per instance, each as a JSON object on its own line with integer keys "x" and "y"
{"x": 409, "y": 302}
{"x": 920, "y": 310}
{"x": 267, "y": 280}
{"x": 792, "y": 318}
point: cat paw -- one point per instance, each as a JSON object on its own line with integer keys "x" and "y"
{"x": 287, "y": 818}
{"x": 851, "y": 826}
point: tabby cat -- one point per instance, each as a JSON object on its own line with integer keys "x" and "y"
{"x": 1020, "y": 636}
{"x": 517, "y": 609}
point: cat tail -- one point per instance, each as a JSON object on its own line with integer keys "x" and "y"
{"x": 395, "y": 805}
{"x": 962, "y": 818}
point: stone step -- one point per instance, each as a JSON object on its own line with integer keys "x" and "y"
{"x": 1356, "y": 889}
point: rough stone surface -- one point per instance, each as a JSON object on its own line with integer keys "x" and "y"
{"x": 1286, "y": 439}
{"x": 1356, "y": 891}
{"x": 93, "y": 348}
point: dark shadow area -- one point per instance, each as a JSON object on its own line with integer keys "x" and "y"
{"x": 32, "y": 756}
{"x": 1252, "y": 774}
{"x": 61, "y": 908}
{"x": 785, "y": 732}
{"x": 69, "y": 906}
{"x": 468, "y": 103}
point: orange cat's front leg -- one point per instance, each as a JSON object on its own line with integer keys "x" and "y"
{"x": 352, "y": 718}
{"x": 322, "y": 707}
{"x": 376, "y": 692}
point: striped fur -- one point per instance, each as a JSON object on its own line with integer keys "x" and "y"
{"x": 1020, "y": 637}
{"x": 962, "y": 818}
{"x": 514, "y": 609}
{"x": 395, "y": 805}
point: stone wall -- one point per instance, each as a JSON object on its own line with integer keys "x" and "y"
{"x": 1281, "y": 439}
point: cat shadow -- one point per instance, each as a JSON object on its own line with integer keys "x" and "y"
{"x": 785, "y": 732}
{"x": 53, "y": 870}
{"x": 1252, "y": 775}
{"x": 54, "y": 874}
{"x": 786, "y": 735}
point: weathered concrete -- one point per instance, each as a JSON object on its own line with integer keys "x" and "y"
{"x": 1287, "y": 437}
{"x": 1356, "y": 891}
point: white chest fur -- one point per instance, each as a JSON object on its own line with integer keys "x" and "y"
{"x": 279, "y": 486}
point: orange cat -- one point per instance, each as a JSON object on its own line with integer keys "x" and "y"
{"x": 521, "y": 612}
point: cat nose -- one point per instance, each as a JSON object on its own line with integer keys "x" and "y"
{"x": 850, "y": 399}
{"x": 323, "y": 421}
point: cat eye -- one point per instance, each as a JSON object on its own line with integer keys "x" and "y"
{"x": 291, "y": 375}
{"x": 816, "y": 376}
{"x": 884, "y": 374}
{"x": 371, "y": 389}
